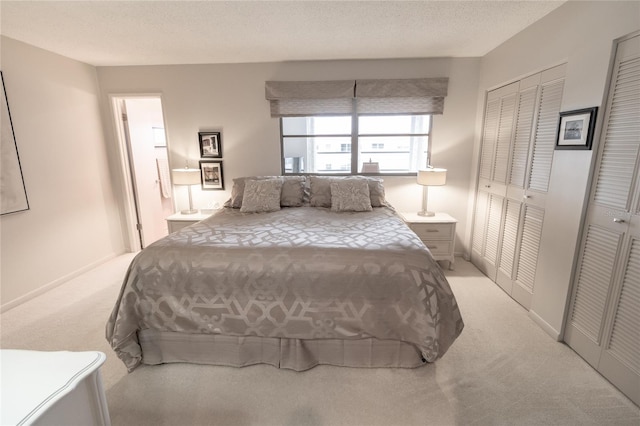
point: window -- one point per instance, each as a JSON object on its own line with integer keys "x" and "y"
{"x": 336, "y": 126}
{"x": 334, "y": 145}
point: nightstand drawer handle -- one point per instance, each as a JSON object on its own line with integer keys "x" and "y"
{"x": 432, "y": 230}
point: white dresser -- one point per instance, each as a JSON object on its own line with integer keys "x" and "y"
{"x": 52, "y": 388}
{"x": 437, "y": 232}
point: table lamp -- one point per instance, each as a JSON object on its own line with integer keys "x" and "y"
{"x": 430, "y": 176}
{"x": 188, "y": 177}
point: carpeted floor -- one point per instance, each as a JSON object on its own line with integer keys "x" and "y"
{"x": 503, "y": 370}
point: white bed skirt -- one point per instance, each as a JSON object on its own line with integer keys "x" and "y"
{"x": 160, "y": 347}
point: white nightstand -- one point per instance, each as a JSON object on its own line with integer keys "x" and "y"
{"x": 177, "y": 221}
{"x": 437, "y": 232}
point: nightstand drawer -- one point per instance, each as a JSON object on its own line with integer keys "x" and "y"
{"x": 175, "y": 226}
{"x": 177, "y": 221}
{"x": 438, "y": 248}
{"x": 433, "y": 231}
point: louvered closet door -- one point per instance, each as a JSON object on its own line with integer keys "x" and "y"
{"x": 479, "y": 227}
{"x": 496, "y": 138}
{"x": 494, "y": 219}
{"x": 537, "y": 115}
{"x": 489, "y": 136}
{"x": 486, "y": 229}
{"x": 620, "y": 361}
{"x": 527, "y": 259}
{"x": 525, "y": 115}
{"x": 509, "y": 250}
{"x": 604, "y": 317}
{"x": 503, "y": 140}
{"x": 495, "y": 150}
{"x": 520, "y": 153}
{"x": 545, "y": 133}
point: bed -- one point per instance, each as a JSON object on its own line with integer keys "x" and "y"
{"x": 322, "y": 275}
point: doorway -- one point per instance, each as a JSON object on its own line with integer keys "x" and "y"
{"x": 144, "y": 157}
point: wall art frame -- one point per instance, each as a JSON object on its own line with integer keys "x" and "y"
{"x": 13, "y": 192}
{"x": 210, "y": 144}
{"x": 211, "y": 175}
{"x": 576, "y": 128}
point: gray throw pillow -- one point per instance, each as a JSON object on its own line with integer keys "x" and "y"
{"x": 350, "y": 195}
{"x": 261, "y": 196}
{"x": 293, "y": 190}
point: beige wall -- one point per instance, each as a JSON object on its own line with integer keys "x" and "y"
{"x": 230, "y": 98}
{"x": 73, "y": 221}
{"x": 580, "y": 34}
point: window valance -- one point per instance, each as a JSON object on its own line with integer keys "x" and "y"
{"x": 403, "y": 88}
{"x": 276, "y": 90}
{"x": 390, "y": 96}
{"x": 405, "y": 96}
{"x": 300, "y": 98}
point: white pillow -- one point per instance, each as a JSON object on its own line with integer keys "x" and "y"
{"x": 261, "y": 196}
{"x": 350, "y": 195}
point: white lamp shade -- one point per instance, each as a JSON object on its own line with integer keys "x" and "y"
{"x": 432, "y": 177}
{"x": 185, "y": 176}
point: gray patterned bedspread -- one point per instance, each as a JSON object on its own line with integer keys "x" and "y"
{"x": 305, "y": 273}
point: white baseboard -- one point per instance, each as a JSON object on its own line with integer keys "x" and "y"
{"x": 545, "y": 326}
{"x": 46, "y": 287}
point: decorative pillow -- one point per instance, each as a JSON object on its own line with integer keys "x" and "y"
{"x": 293, "y": 194}
{"x": 293, "y": 190}
{"x": 350, "y": 195}
{"x": 320, "y": 191}
{"x": 376, "y": 192}
{"x": 261, "y": 196}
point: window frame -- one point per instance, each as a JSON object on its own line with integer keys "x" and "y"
{"x": 355, "y": 135}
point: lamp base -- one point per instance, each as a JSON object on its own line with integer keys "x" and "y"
{"x": 426, "y": 213}
{"x": 191, "y": 211}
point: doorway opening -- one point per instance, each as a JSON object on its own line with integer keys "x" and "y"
{"x": 144, "y": 158}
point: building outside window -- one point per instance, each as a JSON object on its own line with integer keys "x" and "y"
{"x": 334, "y": 145}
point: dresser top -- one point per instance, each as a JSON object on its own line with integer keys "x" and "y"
{"x": 33, "y": 381}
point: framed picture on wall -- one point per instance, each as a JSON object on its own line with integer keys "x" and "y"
{"x": 575, "y": 130}
{"x": 211, "y": 174}
{"x": 210, "y": 144}
{"x": 13, "y": 192}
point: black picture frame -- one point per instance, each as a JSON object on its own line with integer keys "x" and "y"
{"x": 210, "y": 144}
{"x": 575, "y": 129}
{"x": 211, "y": 176}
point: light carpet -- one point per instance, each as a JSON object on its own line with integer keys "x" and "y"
{"x": 503, "y": 370}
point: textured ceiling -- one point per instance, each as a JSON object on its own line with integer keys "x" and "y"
{"x": 145, "y": 32}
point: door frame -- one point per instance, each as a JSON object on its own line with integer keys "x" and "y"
{"x": 129, "y": 200}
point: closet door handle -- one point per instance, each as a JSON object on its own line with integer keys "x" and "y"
{"x": 618, "y": 220}
{"x": 526, "y": 197}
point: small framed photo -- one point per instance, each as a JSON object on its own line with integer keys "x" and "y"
{"x": 211, "y": 175}
{"x": 575, "y": 130}
{"x": 210, "y": 144}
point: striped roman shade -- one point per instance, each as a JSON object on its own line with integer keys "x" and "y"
{"x": 403, "y": 96}
{"x": 302, "y": 98}
{"x": 391, "y": 96}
